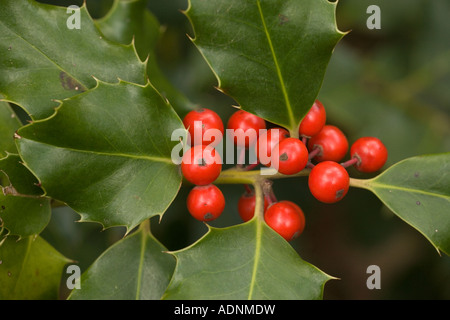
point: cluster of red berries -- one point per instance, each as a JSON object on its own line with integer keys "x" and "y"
{"x": 319, "y": 147}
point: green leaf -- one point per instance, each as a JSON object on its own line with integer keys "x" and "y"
{"x": 9, "y": 123}
{"x": 362, "y": 98}
{"x": 30, "y": 269}
{"x": 43, "y": 60}
{"x": 114, "y": 166}
{"x": 418, "y": 191}
{"x": 269, "y": 55}
{"x": 135, "y": 268}
{"x": 18, "y": 177}
{"x": 246, "y": 261}
{"x": 23, "y": 209}
{"x": 130, "y": 21}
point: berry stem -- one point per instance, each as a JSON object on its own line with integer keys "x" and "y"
{"x": 252, "y": 166}
{"x": 268, "y": 191}
{"x": 314, "y": 152}
{"x": 271, "y": 197}
{"x": 310, "y": 165}
{"x": 241, "y": 158}
{"x": 248, "y": 189}
{"x": 350, "y": 162}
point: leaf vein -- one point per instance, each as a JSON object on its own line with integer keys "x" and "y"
{"x": 376, "y": 185}
{"x": 278, "y": 69}
{"x": 110, "y": 154}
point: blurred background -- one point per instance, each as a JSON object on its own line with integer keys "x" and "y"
{"x": 392, "y": 83}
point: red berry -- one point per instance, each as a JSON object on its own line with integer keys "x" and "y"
{"x": 197, "y": 122}
{"x": 246, "y": 205}
{"x": 205, "y": 203}
{"x": 314, "y": 120}
{"x": 332, "y": 144}
{"x": 370, "y": 152}
{"x": 245, "y": 126}
{"x": 201, "y": 165}
{"x": 328, "y": 181}
{"x": 289, "y": 156}
{"x": 267, "y": 141}
{"x": 286, "y": 218}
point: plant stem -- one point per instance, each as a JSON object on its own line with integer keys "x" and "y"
{"x": 248, "y": 189}
{"x": 271, "y": 198}
{"x": 350, "y": 162}
{"x": 240, "y": 176}
{"x": 252, "y": 166}
{"x": 314, "y": 153}
{"x": 259, "y": 200}
{"x": 294, "y": 133}
{"x": 236, "y": 176}
{"x": 145, "y": 225}
{"x": 360, "y": 183}
{"x": 241, "y": 158}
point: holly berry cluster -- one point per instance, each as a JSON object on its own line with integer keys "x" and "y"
{"x": 320, "y": 148}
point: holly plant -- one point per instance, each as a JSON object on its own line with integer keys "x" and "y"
{"x": 90, "y": 122}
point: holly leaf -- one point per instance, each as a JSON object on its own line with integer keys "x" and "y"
{"x": 9, "y": 123}
{"x": 23, "y": 209}
{"x": 269, "y": 55}
{"x": 44, "y": 60}
{"x": 417, "y": 190}
{"x": 30, "y": 269}
{"x": 134, "y": 268}
{"x": 246, "y": 261}
{"x": 131, "y": 21}
{"x": 114, "y": 166}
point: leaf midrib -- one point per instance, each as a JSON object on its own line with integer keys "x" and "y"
{"x": 141, "y": 263}
{"x": 278, "y": 69}
{"x": 25, "y": 259}
{"x": 256, "y": 259}
{"x": 46, "y": 57}
{"x": 122, "y": 155}
{"x": 374, "y": 185}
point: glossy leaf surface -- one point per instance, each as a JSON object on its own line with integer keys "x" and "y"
{"x": 270, "y": 56}
{"x": 247, "y": 261}
{"x": 135, "y": 268}
{"x": 30, "y": 269}
{"x": 418, "y": 191}
{"x": 45, "y": 57}
{"x": 114, "y": 166}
